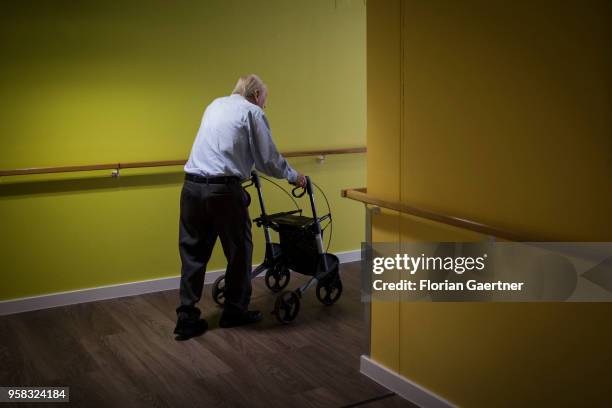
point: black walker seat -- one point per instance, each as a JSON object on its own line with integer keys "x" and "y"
{"x": 300, "y": 250}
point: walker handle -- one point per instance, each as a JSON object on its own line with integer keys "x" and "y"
{"x": 255, "y": 179}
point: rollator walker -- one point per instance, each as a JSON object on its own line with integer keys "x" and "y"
{"x": 300, "y": 250}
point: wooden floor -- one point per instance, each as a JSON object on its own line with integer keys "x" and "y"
{"x": 122, "y": 353}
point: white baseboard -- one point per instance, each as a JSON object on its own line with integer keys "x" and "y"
{"x": 349, "y": 256}
{"x": 402, "y": 386}
{"x": 27, "y": 304}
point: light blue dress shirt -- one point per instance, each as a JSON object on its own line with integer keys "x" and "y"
{"x": 234, "y": 137}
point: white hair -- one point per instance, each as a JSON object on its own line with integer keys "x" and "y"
{"x": 250, "y": 86}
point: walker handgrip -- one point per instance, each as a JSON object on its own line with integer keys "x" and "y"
{"x": 293, "y": 192}
{"x": 255, "y": 179}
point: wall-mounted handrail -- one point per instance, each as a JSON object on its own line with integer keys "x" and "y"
{"x": 162, "y": 163}
{"x": 361, "y": 195}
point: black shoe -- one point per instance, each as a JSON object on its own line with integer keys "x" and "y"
{"x": 188, "y": 328}
{"x": 248, "y": 317}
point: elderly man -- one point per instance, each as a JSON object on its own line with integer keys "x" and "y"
{"x": 234, "y": 137}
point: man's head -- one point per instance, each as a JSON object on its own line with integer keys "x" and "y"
{"x": 253, "y": 89}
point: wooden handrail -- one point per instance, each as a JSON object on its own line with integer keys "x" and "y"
{"x": 304, "y": 153}
{"x": 162, "y": 163}
{"x": 361, "y": 195}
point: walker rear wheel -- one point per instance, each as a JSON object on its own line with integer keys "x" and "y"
{"x": 287, "y": 307}
{"x": 329, "y": 292}
{"x": 277, "y": 278}
{"x": 218, "y": 290}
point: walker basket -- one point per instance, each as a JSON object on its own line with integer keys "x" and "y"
{"x": 298, "y": 244}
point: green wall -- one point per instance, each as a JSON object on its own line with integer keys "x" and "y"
{"x": 97, "y": 82}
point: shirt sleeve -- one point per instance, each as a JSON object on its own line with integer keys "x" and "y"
{"x": 267, "y": 159}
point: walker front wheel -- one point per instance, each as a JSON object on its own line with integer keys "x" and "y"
{"x": 287, "y": 307}
{"x": 218, "y": 290}
{"x": 277, "y": 278}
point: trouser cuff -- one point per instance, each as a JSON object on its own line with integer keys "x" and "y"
{"x": 188, "y": 312}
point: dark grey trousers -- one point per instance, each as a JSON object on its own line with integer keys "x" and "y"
{"x": 209, "y": 211}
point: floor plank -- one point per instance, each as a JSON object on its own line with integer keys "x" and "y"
{"x": 122, "y": 352}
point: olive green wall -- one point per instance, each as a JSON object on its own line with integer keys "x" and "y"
{"x": 95, "y": 82}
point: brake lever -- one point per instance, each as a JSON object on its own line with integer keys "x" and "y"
{"x": 293, "y": 192}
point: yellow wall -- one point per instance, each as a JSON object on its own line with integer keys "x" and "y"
{"x": 98, "y": 82}
{"x": 384, "y": 117}
{"x": 505, "y": 120}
